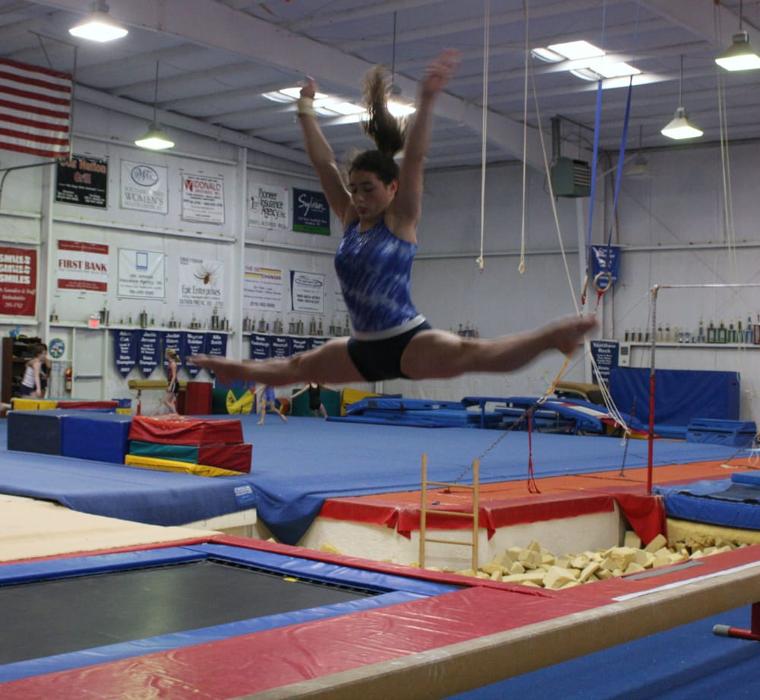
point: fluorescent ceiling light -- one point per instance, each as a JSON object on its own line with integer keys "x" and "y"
{"x": 331, "y": 107}
{"x": 680, "y": 127}
{"x": 547, "y": 55}
{"x": 612, "y": 69}
{"x": 400, "y": 109}
{"x": 290, "y": 94}
{"x": 577, "y": 49}
{"x": 98, "y": 26}
{"x": 154, "y": 139}
{"x": 740, "y": 55}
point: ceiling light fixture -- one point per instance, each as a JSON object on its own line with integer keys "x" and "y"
{"x": 679, "y": 127}
{"x": 155, "y": 138}
{"x": 98, "y": 25}
{"x": 740, "y": 55}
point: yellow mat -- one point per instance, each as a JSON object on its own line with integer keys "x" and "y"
{"x": 349, "y": 395}
{"x": 20, "y": 404}
{"x": 683, "y": 529}
{"x": 171, "y": 465}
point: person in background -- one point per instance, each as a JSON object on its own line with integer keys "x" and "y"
{"x": 316, "y": 407}
{"x": 31, "y": 382}
{"x": 45, "y": 369}
{"x": 172, "y": 388}
{"x": 267, "y": 401}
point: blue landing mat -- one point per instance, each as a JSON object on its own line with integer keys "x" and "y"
{"x": 299, "y": 464}
{"x": 686, "y": 663}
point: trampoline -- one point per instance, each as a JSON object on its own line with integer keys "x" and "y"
{"x": 63, "y": 613}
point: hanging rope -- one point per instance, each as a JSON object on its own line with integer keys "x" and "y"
{"x": 521, "y": 266}
{"x": 484, "y": 132}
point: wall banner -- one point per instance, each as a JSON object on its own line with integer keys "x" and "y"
{"x": 82, "y": 180}
{"x": 280, "y": 346}
{"x": 149, "y": 351}
{"x": 298, "y": 345}
{"x": 202, "y": 198}
{"x": 307, "y": 291}
{"x": 144, "y": 187}
{"x": 141, "y": 274}
{"x": 195, "y": 344}
{"x": 311, "y": 213}
{"x": 201, "y": 282}
{"x": 82, "y": 266}
{"x": 125, "y": 350}
{"x": 269, "y": 206}
{"x": 262, "y": 288}
{"x": 261, "y": 347}
{"x": 216, "y": 344}
{"x": 176, "y": 341}
{"x": 606, "y": 353}
{"x": 18, "y": 281}
{"x": 605, "y": 259}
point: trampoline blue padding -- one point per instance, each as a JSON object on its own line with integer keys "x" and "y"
{"x": 749, "y": 478}
{"x": 299, "y": 464}
{"x": 717, "y": 502}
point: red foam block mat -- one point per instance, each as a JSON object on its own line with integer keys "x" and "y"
{"x": 185, "y": 431}
{"x": 87, "y": 404}
{"x": 237, "y": 457}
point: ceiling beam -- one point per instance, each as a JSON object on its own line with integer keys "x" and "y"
{"x": 707, "y": 19}
{"x": 214, "y": 25}
{"x": 321, "y": 19}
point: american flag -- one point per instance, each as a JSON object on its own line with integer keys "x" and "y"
{"x": 35, "y": 109}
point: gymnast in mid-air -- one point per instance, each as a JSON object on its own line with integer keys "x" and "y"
{"x": 380, "y": 210}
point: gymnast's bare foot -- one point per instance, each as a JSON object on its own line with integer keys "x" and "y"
{"x": 565, "y": 334}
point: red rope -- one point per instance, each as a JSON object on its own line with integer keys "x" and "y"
{"x": 532, "y": 485}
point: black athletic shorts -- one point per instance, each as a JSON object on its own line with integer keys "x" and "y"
{"x": 381, "y": 359}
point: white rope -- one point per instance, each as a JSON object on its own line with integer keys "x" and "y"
{"x": 557, "y": 227}
{"x": 521, "y": 266}
{"x": 484, "y": 132}
{"x": 607, "y": 397}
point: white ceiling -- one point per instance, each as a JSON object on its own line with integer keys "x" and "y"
{"x": 217, "y": 56}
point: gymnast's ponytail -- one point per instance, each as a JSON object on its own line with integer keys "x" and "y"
{"x": 382, "y": 127}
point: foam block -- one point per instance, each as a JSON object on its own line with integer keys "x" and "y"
{"x": 722, "y": 432}
{"x": 170, "y": 465}
{"x": 98, "y": 436}
{"x": 185, "y": 431}
{"x": 35, "y": 431}
{"x": 234, "y": 457}
{"x": 20, "y": 404}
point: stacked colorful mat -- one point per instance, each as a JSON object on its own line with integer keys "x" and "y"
{"x": 190, "y": 445}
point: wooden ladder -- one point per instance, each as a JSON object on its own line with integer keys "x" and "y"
{"x": 473, "y": 514}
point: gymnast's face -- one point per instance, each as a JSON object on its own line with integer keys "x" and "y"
{"x": 369, "y": 194}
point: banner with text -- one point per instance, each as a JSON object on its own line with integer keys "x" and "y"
{"x": 268, "y": 206}
{"x": 307, "y": 291}
{"x": 141, "y": 274}
{"x": 262, "y": 288}
{"x": 144, "y": 187}
{"x": 18, "y": 281}
{"x": 311, "y": 213}
{"x": 195, "y": 344}
{"x": 203, "y": 198}
{"x": 201, "y": 282}
{"x": 261, "y": 346}
{"x": 125, "y": 350}
{"x": 149, "y": 351}
{"x": 605, "y": 353}
{"x": 82, "y": 180}
{"x": 604, "y": 259}
{"x": 82, "y": 266}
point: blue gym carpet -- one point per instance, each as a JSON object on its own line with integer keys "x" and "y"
{"x": 299, "y": 464}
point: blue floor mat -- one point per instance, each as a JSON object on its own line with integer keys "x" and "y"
{"x": 298, "y": 464}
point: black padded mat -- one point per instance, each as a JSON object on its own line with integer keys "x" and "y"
{"x": 53, "y": 617}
